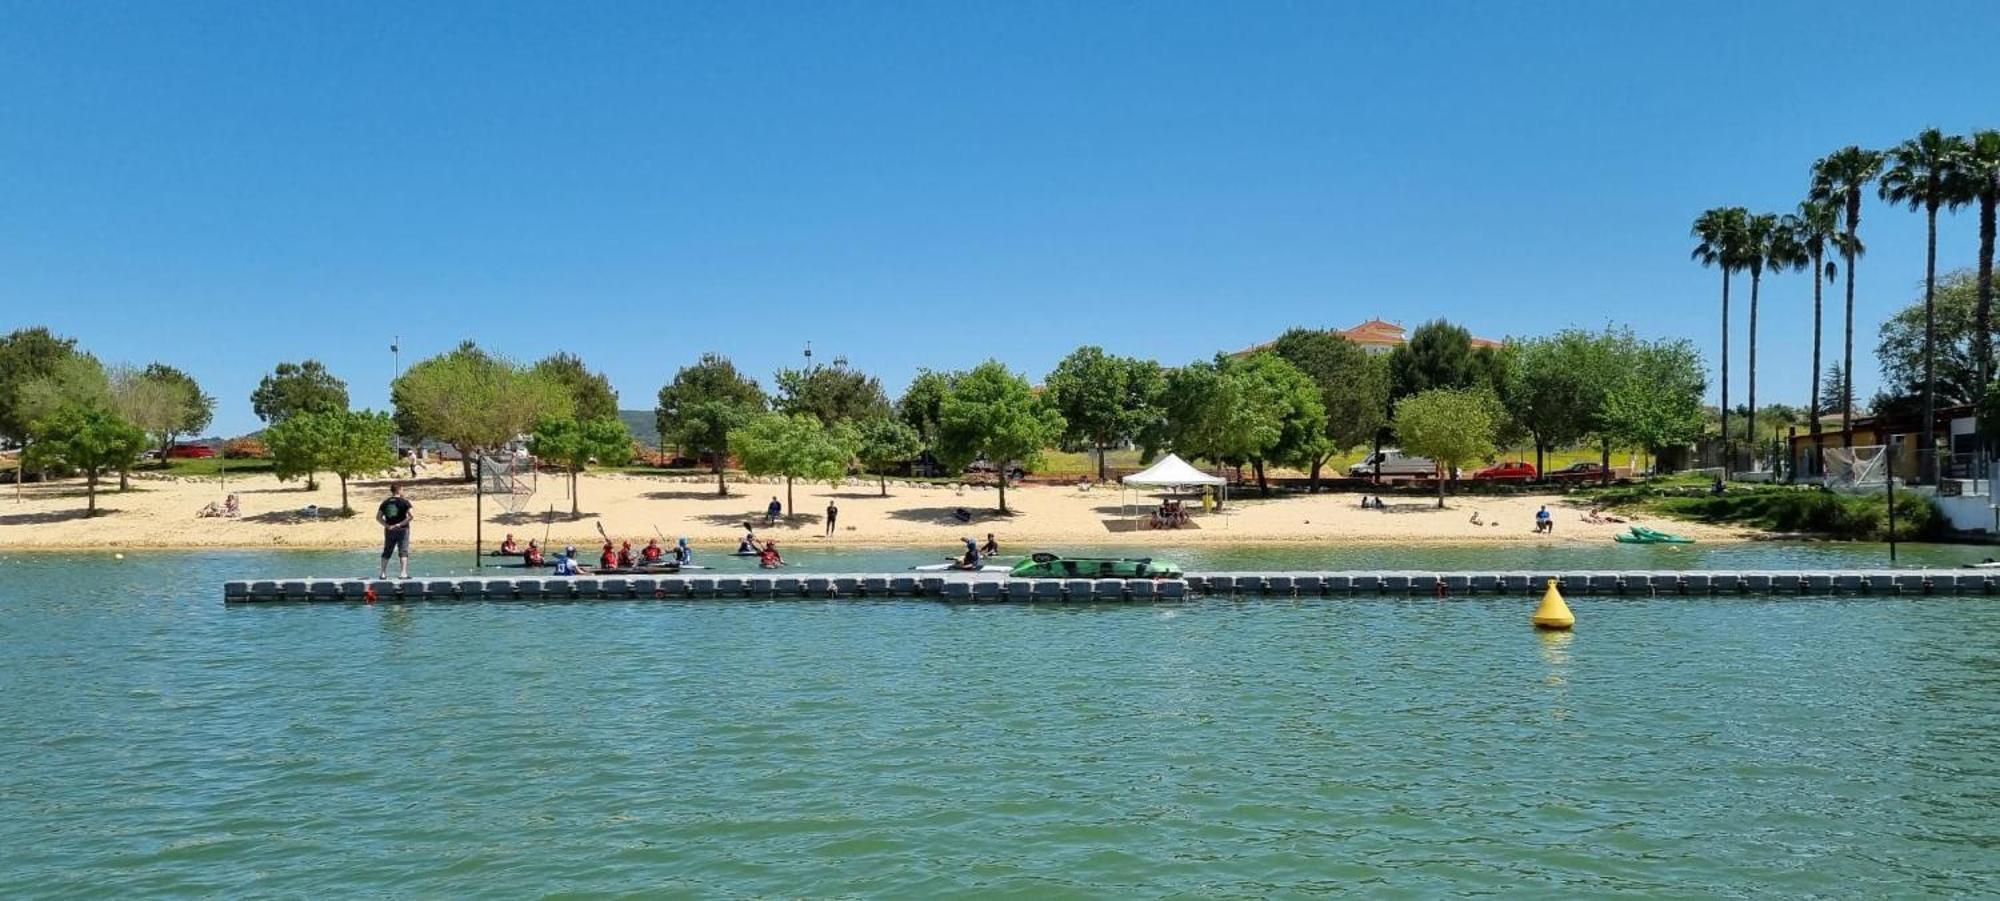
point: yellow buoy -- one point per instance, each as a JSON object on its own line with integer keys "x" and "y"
{"x": 1553, "y": 613}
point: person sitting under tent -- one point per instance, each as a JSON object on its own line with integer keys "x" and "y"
{"x": 653, "y": 552}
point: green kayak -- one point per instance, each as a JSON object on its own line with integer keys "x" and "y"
{"x": 1643, "y": 535}
{"x": 1050, "y": 566}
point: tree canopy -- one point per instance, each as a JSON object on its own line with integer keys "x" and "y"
{"x": 1104, "y": 400}
{"x": 162, "y": 400}
{"x": 26, "y": 355}
{"x": 1452, "y": 426}
{"x": 590, "y": 393}
{"x": 1440, "y": 354}
{"x": 831, "y": 394}
{"x": 920, "y": 402}
{"x": 1901, "y": 348}
{"x": 1254, "y": 409}
{"x": 885, "y": 442}
{"x": 474, "y": 401}
{"x": 705, "y": 403}
{"x": 1556, "y": 384}
{"x": 795, "y": 446}
{"x": 574, "y": 444}
{"x": 1353, "y": 388}
{"x": 994, "y": 415}
{"x": 1655, "y": 401}
{"x": 298, "y": 388}
{"x": 88, "y": 438}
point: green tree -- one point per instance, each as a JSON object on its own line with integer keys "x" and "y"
{"x": 356, "y": 443}
{"x": 1654, "y": 402}
{"x": 703, "y": 405}
{"x": 1953, "y": 363}
{"x": 90, "y": 439}
{"x": 884, "y": 442}
{"x": 921, "y": 401}
{"x": 1927, "y": 172}
{"x": 26, "y": 355}
{"x": 1722, "y": 242}
{"x": 832, "y": 394}
{"x": 162, "y": 400}
{"x": 1439, "y": 354}
{"x": 297, "y": 388}
{"x": 1557, "y": 385}
{"x": 1104, "y": 399}
{"x": 1450, "y": 426}
{"x": 1839, "y": 179}
{"x": 1353, "y": 389}
{"x": 992, "y": 414}
{"x": 574, "y": 444}
{"x": 1814, "y": 227}
{"x": 1253, "y": 409}
{"x": 796, "y": 446}
{"x": 591, "y": 395}
{"x": 299, "y": 444}
{"x": 1835, "y": 385}
{"x": 474, "y": 401}
{"x": 1768, "y": 244}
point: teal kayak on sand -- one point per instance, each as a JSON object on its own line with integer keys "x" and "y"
{"x": 1643, "y": 535}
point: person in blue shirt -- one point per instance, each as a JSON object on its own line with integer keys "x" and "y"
{"x": 1543, "y": 521}
{"x": 683, "y": 554}
{"x": 772, "y": 511}
{"x": 566, "y": 564}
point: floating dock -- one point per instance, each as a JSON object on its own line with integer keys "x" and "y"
{"x": 979, "y": 587}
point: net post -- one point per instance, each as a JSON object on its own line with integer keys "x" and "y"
{"x": 478, "y": 514}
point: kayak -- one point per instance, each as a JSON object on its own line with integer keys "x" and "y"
{"x": 1050, "y": 566}
{"x": 651, "y": 570}
{"x": 955, "y": 568}
{"x": 1643, "y": 535}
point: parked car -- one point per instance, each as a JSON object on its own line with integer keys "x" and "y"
{"x": 1395, "y": 465}
{"x": 190, "y": 452}
{"x": 1580, "y": 471}
{"x": 1510, "y": 471}
{"x": 1014, "y": 473}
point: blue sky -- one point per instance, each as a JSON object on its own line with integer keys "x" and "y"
{"x": 226, "y": 186}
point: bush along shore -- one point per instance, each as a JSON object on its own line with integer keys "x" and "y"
{"x": 1789, "y": 510}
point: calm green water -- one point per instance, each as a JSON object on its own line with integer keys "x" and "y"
{"x": 156, "y": 742}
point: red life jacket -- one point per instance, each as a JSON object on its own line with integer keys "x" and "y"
{"x": 609, "y": 560}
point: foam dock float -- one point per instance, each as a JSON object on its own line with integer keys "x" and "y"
{"x": 992, "y": 587}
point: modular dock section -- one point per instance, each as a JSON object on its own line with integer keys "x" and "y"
{"x": 974, "y": 587}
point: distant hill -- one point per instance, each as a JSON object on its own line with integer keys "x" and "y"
{"x": 643, "y": 426}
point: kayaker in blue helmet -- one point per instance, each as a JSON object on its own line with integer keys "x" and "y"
{"x": 683, "y": 554}
{"x": 566, "y": 564}
{"x": 971, "y": 558}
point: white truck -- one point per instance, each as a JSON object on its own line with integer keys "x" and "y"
{"x": 1395, "y": 465}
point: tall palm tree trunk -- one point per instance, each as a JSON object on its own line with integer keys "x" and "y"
{"x": 1727, "y": 444}
{"x": 1750, "y": 424}
{"x": 1847, "y": 366}
{"x": 1819, "y": 443}
{"x": 1982, "y": 333}
{"x": 1927, "y": 462}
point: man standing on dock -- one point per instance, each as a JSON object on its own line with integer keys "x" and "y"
{"x": 395, "y": 515}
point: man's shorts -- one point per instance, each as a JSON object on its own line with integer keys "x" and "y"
{"x": 395, "y": 541}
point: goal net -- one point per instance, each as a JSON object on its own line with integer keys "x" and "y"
{"x": 1856, "y": 467}
{"x": 508, "y": 481}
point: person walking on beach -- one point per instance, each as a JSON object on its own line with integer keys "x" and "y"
{"x": 832, "y": 515}
{"x": 395, "y": 515}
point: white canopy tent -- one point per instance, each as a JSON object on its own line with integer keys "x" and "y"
{"x": 1175, "y": 473}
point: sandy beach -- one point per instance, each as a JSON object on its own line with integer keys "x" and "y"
{"x": 160, "y": 513}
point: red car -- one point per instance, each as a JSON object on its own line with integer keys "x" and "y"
{"x": 1514, "y": 471}
{"x": 190, "y": 452}
{"x": 1581, "y": 471}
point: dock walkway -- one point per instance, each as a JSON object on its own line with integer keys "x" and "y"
{"x": 982, "y": 587}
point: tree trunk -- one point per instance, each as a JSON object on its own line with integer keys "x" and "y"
{"x": 1750, "y": 422}
{"x": 1819, "y": 442}
{"x": 1257, "y": 466}
{"x": 464, "y": 462}
{"x": 791, "y": 509}
{"x": 1982, "y": 333}
{"x": 575, "y": 509}
{"x": 1376, "y": 478}
{"x": 124, "y": 480}
{"x": 1440, "y": 481}
{"x": 1728, "y": 458}
{"x": 721, "y": 481}
{"x": 1604, "y": 462}
{"x": 1927, "y": 461}
{"x": 344, "y": 508}
{"x": 1100, "y": 462}
{"x": 1003, "y": 488}
{"x": 883, "y": 478}
{"x": 1312, "y": 482}
{"x": 1847, "y": 366}
{"x": 90, "y": 492}
{"x": 1541, "y": 474}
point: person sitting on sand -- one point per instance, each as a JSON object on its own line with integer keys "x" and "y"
{"x": 990, "y": 548}
{"x": 1378, "y": 503}
{"x": 508, "y": 546}
{"x": 653, "y": 551}
{"x": 625, "y": 558}
{"x": 772, "y": 511}
{"x": 608, "y": 559}
{"x": 769, "y": 558}
{"x": 683, "y": 554}
{"x": 231, "y": 507}
{"x": 1475, "y": 518}
{"x": 1543, "y": 521}
{"x": 566, "y": 564}
{"x": 533, "y": 555}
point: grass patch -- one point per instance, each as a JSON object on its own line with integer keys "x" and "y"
{"x": 1852, "y": 517}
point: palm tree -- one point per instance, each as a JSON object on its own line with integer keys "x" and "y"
{"x": 1838, "y": 178}
{"x": 1982, "y": 174}
{"x": 1766, "y": 243}
{"x": 1926, "y": 172}
{"x": 1813, "y": 227}
{"x": 1719, "y": 232}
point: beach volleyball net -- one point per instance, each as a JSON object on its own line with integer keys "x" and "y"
{"x": 508, "y": 481}
{"x": 1856, "y": 468}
